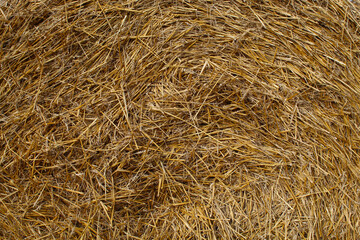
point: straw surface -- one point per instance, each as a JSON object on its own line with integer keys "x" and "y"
{"x": 179, "y": 119}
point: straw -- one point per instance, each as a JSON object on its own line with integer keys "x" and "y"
{"x": 179, "y": 119}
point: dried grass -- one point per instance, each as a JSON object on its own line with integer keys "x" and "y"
{"x": 179, "y": 119}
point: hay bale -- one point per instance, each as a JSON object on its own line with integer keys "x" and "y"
{"x": 179, "y": 119}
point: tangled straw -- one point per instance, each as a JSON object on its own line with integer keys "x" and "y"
{"x": 178, "y": 119}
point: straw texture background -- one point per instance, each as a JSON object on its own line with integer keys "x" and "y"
{"x": 178, "y": 119}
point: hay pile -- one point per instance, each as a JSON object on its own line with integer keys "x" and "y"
{"x": 184, "y": 119}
